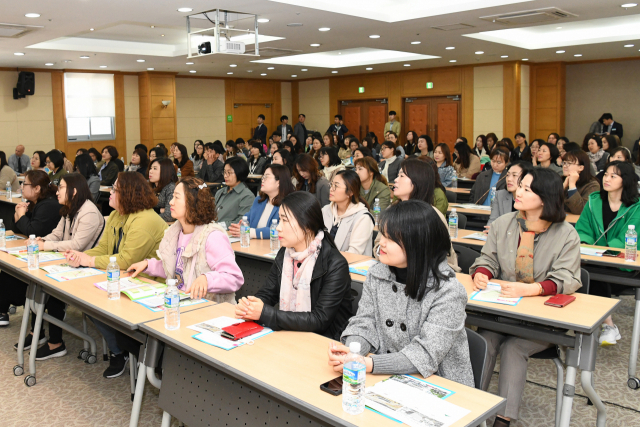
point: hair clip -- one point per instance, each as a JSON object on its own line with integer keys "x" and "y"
{"x": 204, "y": 185}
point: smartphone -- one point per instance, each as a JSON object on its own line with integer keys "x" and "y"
{"x": 333, "y": 387}
{"x": 611, "y": 253}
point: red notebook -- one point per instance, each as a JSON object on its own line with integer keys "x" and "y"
{"x": 241, "y": 330}
{"x": 560, "y": 300}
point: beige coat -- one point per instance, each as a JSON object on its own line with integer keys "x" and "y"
{"x": 80, "y": 234}
{"x": 474, "y": 167}
{"x": 556, "y": 253}
{"x": 8, "y": 175}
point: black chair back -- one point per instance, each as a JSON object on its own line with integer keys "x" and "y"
{"x": 585, "y": 279}
{"x": 478, "y": 355}
{"x": 451, "y": 196}
{"x": 466, "y": 257}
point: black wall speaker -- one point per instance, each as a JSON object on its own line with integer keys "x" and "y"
{"x": 26, "y": 85}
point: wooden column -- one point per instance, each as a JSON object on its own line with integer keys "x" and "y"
{"x": 158, "y": 124}
{"x": 547, "y": 99}
{"x": 511, "y": 100}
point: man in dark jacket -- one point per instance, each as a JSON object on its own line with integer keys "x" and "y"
{"x": 261, "y": 130}
{"x": 611, "y": 127}
{"x": 338, "y": 127}
{"x": 212, "y": 168}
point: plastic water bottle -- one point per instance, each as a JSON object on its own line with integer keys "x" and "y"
{"x": 3, "y": 234}
{"x": 630, "y": 244}
{"x": 273, "y": 235}
{"x": 454, "y": 181}
{"x": 113, "y": 279}
{"x": 354, "y": 374}
{"x": 8, "y": 190}
{"x": 376, "y": 211}
{"x": 492, "y": 195}
{"x": 453, "y": 223}
{"x": 171, "y": 306}
{"x": 179, "y": 173}
{"x": 33, "y": 253}
{"x": 245, "y": 233}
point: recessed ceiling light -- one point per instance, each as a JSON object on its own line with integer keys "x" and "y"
{"x": 525, "y": 59}
{"x": 324, "y": 29}
{"x": 19, "y": 54}
{"x": 249, "y": 71}
{"x": 407, "y": 65}
{"x": 560, "y": 51}
{"x": 161, "y": 35}
{"x": 189, "y": 63}
{"x": 452, "y": 60}
{"x": 578, "y": 54}
{"x": 504, "y": 56}
{"x": 416, "y": 42}
{"x": 103, "y": 66}
{"x": 479, "y": 52}
{"x": 49, "y": 64}
{"x": 90, "y": 29}
{"x": 368, "y": 68}
{"x": 230, "y": 72}
{"x": 626, "y": 5}
{"x": 374, "y": 36}
{"x": 263, "y": 74}
{"x": 192, "y": 71}
{"x": 185, "y": 9}
{"x": 32, "y": 15}
{"x": 354, "y": 57}
{"x": 150, "y": 69}
{"x": 450, "y": 48}
{"x": 232, "y": 65}
{"x": 139, "y": 60}
{"x": 263, "y": 20}
{"x": 334, "y": 72}
{"x": 84, "y": 57}
{"x": 153, "y": 26}
{"x": 558, "y": 28}
{"x": 304, "y": 69}
{"x": 628, "y": 45}
{"x": 315, "y": 45}
{"x": 294, "y": 75}
{"x": 271, "y": 68}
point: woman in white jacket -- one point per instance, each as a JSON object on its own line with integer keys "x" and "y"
{"x": 347, "y": 217}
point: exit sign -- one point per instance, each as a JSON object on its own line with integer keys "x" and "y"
{"x": 361, "y": 89}
{"x": 229, "y": 118}
{"x": 429, "y": 85}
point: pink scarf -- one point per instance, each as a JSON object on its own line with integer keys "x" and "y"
{"x": 295, "y": 288}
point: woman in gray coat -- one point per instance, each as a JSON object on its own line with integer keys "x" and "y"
{"x": 412, "y": 311}
{"x": 536, "y": 252}
{"x": 503, "y": 202}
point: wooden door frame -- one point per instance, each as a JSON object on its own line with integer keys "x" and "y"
{"x": 363, "y": 103}
{"x": 433, "y": 114}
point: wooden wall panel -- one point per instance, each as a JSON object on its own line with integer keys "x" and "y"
{"x": 375, "y": 86}
{"x": 162, "y": 85}
{"x": 252, "y": 92}
{"x": 157, "y": 124}
{"x": 159, "y": 110}
{"x": 547, "y": 100}
{"x": 255, "y": 92}
{"x": 295, "y": 104}
{"x": 446, "y": 81}
{"x": 121, "y": 132}
{"x": 511, "y": 99}
{"x": 467, "y": 104}
{"x": 59, "y": 115}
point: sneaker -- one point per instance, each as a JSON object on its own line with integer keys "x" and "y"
{"x": 27, "y": 342}
{"x": 609, "y": 336}
{"x": 45, "y": 352}
{"x": 117, "y": 365}
{"x": 4, "y": 319}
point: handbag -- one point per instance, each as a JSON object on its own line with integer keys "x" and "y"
{"x": 241, "y": 330}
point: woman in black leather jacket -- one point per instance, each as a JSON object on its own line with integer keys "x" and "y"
{"x": 309, "y": 278}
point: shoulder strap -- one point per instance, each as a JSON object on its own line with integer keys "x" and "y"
{"x": 99, "y": 234}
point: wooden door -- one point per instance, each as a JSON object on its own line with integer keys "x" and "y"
{"x": 439, "y": 117}
{"x": 243, "y": 123}
{"x": 352, "y": 119}
{"x": 258, "y": 109}
{"x": 361, "y": 117}
{"x": 417, "y": 118}
{"x": 447, "y": 130}
{"x": 377, "y": 117}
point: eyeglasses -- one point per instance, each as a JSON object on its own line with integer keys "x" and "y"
{"x": 227, "y": 173}
{"x": 568, "y": 164}
{"x": 265, "y": 177}
{"x": 334, "y": 186}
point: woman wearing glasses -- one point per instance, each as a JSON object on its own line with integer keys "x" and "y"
{"x": 234, "y": 199}
{"x": 276, "y": 185}
{"x": 578, "y": 182}
{"x": 347, "y": 217}
{"x": 490, "y": 178}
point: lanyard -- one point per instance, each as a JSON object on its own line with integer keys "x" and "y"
{"x": 116, "y": 246}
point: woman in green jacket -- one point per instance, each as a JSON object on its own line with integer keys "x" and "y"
{"x": 55, "y": 162}
{"x": 132, "y": 233}
{"x": 373, "y": 184}
{"x": 605, "y": 220}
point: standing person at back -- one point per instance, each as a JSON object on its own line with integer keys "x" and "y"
{"x": 338, "y": 127}
{"x": 260, "y": 131}
{"x": 285, "y": 128}
{"x": 392, "y": 125}
{"x": 19, "y": 161}
{"x": 610, "y": 127}
{"x": 300, "y": 130}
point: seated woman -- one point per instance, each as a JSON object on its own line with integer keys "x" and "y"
{"x": 195, "y": 249}
{"x": 609, "y": 142}
{"x": 163, "y": 178}
{"x": 257, "y": 161}
{"x": 80, "y": 227}
{"x": 440, "y": 201}
{"x": 234, "y": 199}
{"x": 347, "y": 217}
{"x": 39, "y": 216}
{"x": 233, "y": 151}
{"x": 547, "y": 155}
{"x": 597, "y": 155}
{"x": 317, "y": 144}
{"x": 354, "y": 144}
{"x": 310, "y": 179}
{"x": 55, "y": 163}
{"x": 490, "y": 178}
{"x": 424, "y": 147}
{"x": 276, "y": 185}
{"x": 442, "y": 156}
{"x": 85, "y": 167}
{"x": 181, "y": 160}
{"x": 479, "y": 147}
{"x": 367, "y": 143}
{"x": 393, "y": 138}
{"x": 309, "y": 279}
{"x": 503, "y": 202}
{"x": 467, "y": 164}
{"x": 621, "y": 154}
{"x": 411, "y": 146}
{"x": 605, "y": 220}
{"x": 133, "y": 233}
{"x": 536, "y": 252}
{"x": 578, "y": 182}
{"x": 412, "y": 311}
{"x": 157, "y": 153}
{"x": 331, "y": 163}
{"x": 390, "y": 163}
{"x": 109, "y": 171}
{"x": 139, "y": 162}
{"x": 372, "y": 184}
{"x": 197, "y": 156}
{"x": 96, "y": 157}
{"x": 7, "y": 175}
{"x": 362, "y": 152}
{"x": 38, "y": 160}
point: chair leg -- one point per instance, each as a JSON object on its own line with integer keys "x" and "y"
{"x": 559, "y": 388}
{"x": 483, "y": 424}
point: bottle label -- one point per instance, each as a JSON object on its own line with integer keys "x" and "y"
{"x": 631, "y": 241}
{"x": 274, "y": 233}
{"x": 376, "y": 210}
{"x": 244, "y": 229}
{"x": 354, "y": 374}
{"x": 170, "y": 302}
{"x": 33, "y": 249}
{"x": 453, "y": 221}
{"x": 112, "y": 276}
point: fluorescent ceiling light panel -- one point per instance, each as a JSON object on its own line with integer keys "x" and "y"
{"x": 397, "y": 11}
{"x": 578, "y": 33}
{"x": 346, "y": 58}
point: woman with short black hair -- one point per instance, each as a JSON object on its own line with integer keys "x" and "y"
{"x": 55, "y": 162}
{"x": 109, "y": 171}
{"x": 424, "y": 146}
{"x": 257, "y": 161}
{"x": 597, "y": 155}
{"x": 390, "y": 166}
{"x": 234, "y": 199}
{"x": 488, "y": 179}
{"x": 85, "y": 167}
{"x": 505, "y": 198}
{"x": 181, "y": 160}
{"x": 139, "y": 162}
{"x": 547, "y": 156}
{"x": 329, "y": 159}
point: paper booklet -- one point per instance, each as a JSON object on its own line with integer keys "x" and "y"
{"x": 74, "y": 273}
{"x": 471, "y": 206}
{"x": 210, "y": 333}
{"x": 362, "y": 268}
{"x": 156, "y": 303}
{"x": 414, "y": 402}
{"x": 137, "y": 289}
{"x": 14, "y": 250}
{"x": 476, "y": 236}
{"x": 43, "y": 256}
{"x": 584, "y": 250}
{"x": 492, "y": 294}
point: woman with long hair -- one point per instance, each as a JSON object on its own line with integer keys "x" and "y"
{"x": 309, "y": 280}
{"x": 257, "y": 161}
{"x": 109, "y": 170}
{"x": 197, "y": 156}
{"x": 466, "y": 164}
{"x": 232, "y": 150}
{"x": 331, "y": 163}
{"x": 411, "y": 145}
{"x": 7, "y": 175}
{"x": 181, "y": 160}
{"x": 440, "y": 201}
{"x": 139, "y": 162}
{"x": 492, "y": 140}
{"x": 393, "y": 137}
{"x": 367, "y": 143}
{"x": 316, "y": 145}
{"x": 442, "y": 156}
{"x": 372, "y": 184}
{"x": 578, "y": 182}
{"x": 95, "y": 156}
{"x": 85, "y": 167}
{"x": 327, "y": 140}
{"x": 347, "y": 217}
{"x": 163, "y": 178}
{"x": 609, "y": 143}
{"x": 480, "y": 147}
{"x": 311, "y": 179}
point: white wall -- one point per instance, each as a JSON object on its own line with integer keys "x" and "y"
{"x": 200, "y": 110}
{"x": 524, "y": 100}
{"x": 488, "y": 100}
{"x": 314, "y": 103}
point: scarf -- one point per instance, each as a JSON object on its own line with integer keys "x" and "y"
{"x": 524, "y": 256}
{"x": 295, "y": 288}
{"x": 596, "y": 157}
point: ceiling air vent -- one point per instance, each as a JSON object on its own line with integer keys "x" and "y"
{"x": 452, "y": 27}
{"x": 271, "y": 52}
{"x": 14, "y": 30}
{"x": 525, "y": 17}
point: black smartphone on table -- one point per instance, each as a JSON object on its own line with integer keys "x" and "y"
{"x": 611, "y": 253}
{"x": 333, "y": 387}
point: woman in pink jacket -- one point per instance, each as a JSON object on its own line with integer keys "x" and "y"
{"x": 195, "y": 250}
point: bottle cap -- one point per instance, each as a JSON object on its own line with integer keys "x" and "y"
{"x": 354, "y": 347}
{"x": 273, "y": 221}
{"x": 632, "y": 227}
{"x": 453, "y": 210}
{"x": 171, "y": 282}
{"x": 245, "y": 217}
{"x": 1, "y": 221}
{"x": 377, "y": 200}
{"x": 112, "y": 259}
{"x": 32, "y": 236}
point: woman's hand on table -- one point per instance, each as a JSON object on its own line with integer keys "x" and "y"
{"x": 21, "y": 209}
{"x": 78, "y": 259}
{"x": 198, "y": 288}
{"x": 138, "y": 268}
{"x": 519, "y": 289}
{"x": 486, "y": 229}
{"x": 337, "y": 352}
{"x": 234, "y": 229}
{"x": 249, "y": 308}
{"x": 480, "y": 281}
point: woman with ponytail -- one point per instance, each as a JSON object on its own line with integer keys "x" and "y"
{"x": 195, "y": 249}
